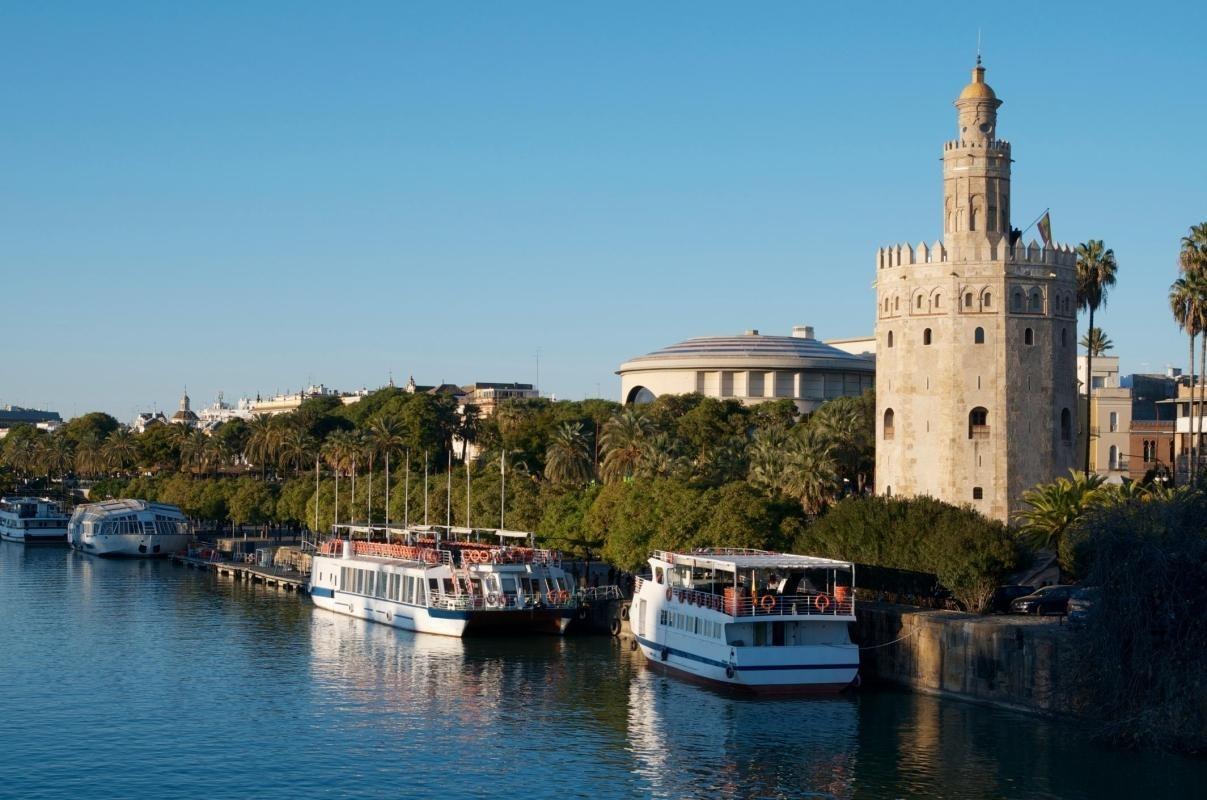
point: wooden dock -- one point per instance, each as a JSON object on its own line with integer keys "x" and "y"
{"x": 287, "y": 579}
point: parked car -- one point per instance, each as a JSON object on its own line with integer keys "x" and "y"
{"x": 1048, "y": 600}
{"x": 1004, "y": 595}
{"x": 1080, "y": 603}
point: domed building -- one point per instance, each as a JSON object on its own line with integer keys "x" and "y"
{"x": 751, "y": 368}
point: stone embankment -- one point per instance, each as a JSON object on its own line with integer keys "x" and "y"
{"x": 1015, "y": 662}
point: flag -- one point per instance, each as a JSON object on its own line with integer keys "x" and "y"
{"x": 1045, "y": 229}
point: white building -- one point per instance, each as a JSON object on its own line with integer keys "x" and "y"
{"x": 751, "y": 368}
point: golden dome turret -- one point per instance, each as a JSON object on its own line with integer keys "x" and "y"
{"x": 978, "y": 89}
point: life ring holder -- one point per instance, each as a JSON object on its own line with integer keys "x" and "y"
{"x": 822, "y": 601}
{"x": 767, "y": 602}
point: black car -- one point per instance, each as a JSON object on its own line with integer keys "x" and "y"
{"x": 1004, "y": 595}
{"x": 1081, "y": 602}
{"x": 1048, "y": 600}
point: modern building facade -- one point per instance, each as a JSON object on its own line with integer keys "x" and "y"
{"x": 11, "y": 416}
{"x": 976, "y": 339}
{"x": 751, "y": 368}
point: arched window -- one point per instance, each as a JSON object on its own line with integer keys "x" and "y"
{"x": 896, "y": 304}
{"x": 1114, "y": 457}
{"x": 1028, "y": 337}
{"x": 978, "y": 423}
{"x": 888, "y": 423}
{"x": 1064, "y": 337}
{"x": 890, "y": 338}
{"x": 978, "y": 336}
{"x": 926, "y": 336}
{"x": 918, "y": 301}
{"x": 1036, "y": 304}
{"x": 1066, "y": 426}
{"x": 888, "y": 491}
{"x": 967, "y": 299}
{"x": 1114, "y": 422}
{"x": 988, "y": 301}
{"x": 938, "y": 301}
{"x": 1016, "y": 301}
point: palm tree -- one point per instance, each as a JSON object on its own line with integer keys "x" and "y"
{"x": 1053, "y": 507}
{"x": 1096, "y": 342}
{"x": 385, "y": 433}
{"x": 568, "y": 459}
{"x": 22, "y": 455}
{"x": 1096, "y": 268}
{"x": 798, "y": 463}
{"x": 468, "y": 426}
{"x": 193, "y": 447}
{"x": 56, "y": 455}
{"x": 296, "y": 448}
{"x": 1192, "y": 259}
{"x": 89, "y": 460}
{"x": 621, "y": 440}
{"x": 661, "y": 456}
{"x": 263, "y": 438}
{"x": 218, "y": 453}
{"x": 120, "y": 450}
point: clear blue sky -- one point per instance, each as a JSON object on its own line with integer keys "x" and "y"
{"x": 248, "y": 196}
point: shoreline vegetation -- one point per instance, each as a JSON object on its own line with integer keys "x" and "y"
{"x": 598, "y": 480}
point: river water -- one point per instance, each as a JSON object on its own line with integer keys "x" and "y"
{"x": 125, "y": 679}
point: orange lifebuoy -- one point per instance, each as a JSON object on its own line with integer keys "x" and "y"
{"x": 552, "y": 597}
{"x": 767, "y": 602}
{"x": 563, "y": 595}
{"x": 822, "y": 601}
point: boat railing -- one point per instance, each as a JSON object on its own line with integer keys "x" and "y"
{"x": 502, "y": 602}
{"x": 767, "y": 605}
{"x": 598, "y": 593}
{"x": 405, "y": 552}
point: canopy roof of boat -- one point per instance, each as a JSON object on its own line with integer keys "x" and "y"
{"x": 451, "y": 530}
{"x": 733, "y": 559}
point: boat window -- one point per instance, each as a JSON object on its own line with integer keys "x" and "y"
{"x": 509, "y": 584}
{"x": 658, "y": 575}
{"x": 760, "y": 634}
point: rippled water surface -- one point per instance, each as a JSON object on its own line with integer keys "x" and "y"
{"x": 141, "y": 679}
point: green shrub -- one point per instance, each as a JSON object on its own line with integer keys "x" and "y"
{"x": 968, "y": 552}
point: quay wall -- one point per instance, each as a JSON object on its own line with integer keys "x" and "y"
{"x": 1022, "y": 663}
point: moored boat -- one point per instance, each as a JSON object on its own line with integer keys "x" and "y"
{"x": 445, "y": 581}
{"x": 129, "y": 529}
{"x": 32, "y": 520}
{"x": 749, "y": 620}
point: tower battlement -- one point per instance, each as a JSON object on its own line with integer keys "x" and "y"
{"x": 992, "y": 146}
{"x": 1030, "y": 255}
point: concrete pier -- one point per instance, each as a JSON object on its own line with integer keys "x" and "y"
{"x": 1009, "y": 661}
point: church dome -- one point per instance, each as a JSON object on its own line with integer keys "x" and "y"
{"x": 978, "y": 89}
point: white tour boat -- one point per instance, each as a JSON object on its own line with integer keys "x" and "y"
{"x": 425, "y": 580}
{"x": 32, "y": 520}
{"x": 129, "y": 528}
{"x": 749, "y": 619}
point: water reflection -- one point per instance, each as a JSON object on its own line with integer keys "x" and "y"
{"x": 239, "y": 690}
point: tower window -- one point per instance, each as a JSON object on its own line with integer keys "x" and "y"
{"x": 1114, "y": 457}
{"x": 888, "y": 423}
{"x": 938, "y": 301}
{"x": 1114, "y": 422}
{"x": 888, "y": 491}
{"x": 1037, "y": 304}
{"x": 967, "y": 299}
{"x": 978, "y": 336}
{"x": 926, "y": 336}
{"x": 1028, "y": 337}
{"x": 978, "y": 493}
{"x": 978, "y": 423}
{"x": 1066, "y": 426}
{"x": 896, "y": 304}
{"x": 1064, "y": 337}
{"x": 988, "y": 303}
{"x": 890, "y": 338}
{"x": 918, "y": 301}
{"x": 1016, "y": 301}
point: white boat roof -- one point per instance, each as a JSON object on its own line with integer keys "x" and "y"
{"x": 732, "y": 559}
{"x": 109, "y": 507}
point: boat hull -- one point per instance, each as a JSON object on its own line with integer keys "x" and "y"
{"x": 398, "y": 615}
{"x": 532, "y": 620}
{"x": 47, "y": 536}
{"x": 120, "y": 545}
{"x": 821, "y": 675}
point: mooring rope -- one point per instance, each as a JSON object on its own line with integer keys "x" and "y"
{"x": 894, "y": 641}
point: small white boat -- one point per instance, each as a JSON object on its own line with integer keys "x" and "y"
{"x": 32, "y": 520}
{"x": 749, "y": 619}
{"x": 423, "y": 582}
{"x": 129, "y": 529}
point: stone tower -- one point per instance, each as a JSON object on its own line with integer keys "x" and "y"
{"x": 975, "y": 339}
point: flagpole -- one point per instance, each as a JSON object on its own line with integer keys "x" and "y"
{"x": 1032, "y": 225}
